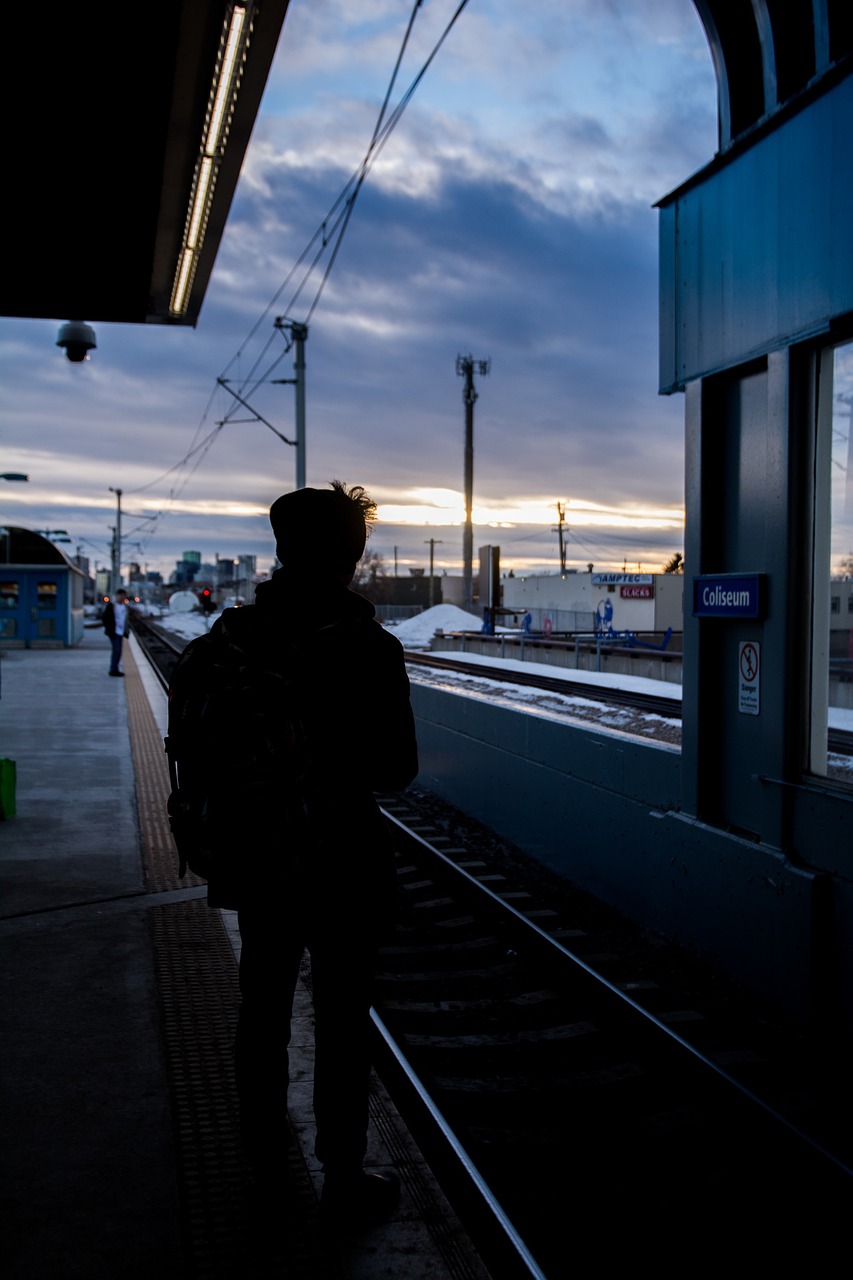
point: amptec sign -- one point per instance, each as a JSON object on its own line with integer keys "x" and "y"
{"x": 729, "y": 595}
{"x": 620, "y": 579}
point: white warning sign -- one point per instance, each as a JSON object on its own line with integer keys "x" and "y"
{"x": 749, "y": 677}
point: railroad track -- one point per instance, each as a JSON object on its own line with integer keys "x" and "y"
{"x": 578, "y": 1100}
{"x": 653, "y": 704}
{"x": 585, "y": 1105}
{"x": 161, "y": 646}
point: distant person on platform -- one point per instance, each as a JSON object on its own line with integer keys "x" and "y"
{"x": 116, "y": 620}
{"x": 328, "y": 883}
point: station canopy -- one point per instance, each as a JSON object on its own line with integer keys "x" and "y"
{"x": 117, "y": 117}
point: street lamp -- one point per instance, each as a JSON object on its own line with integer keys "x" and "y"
{"x": 13, "y": 475}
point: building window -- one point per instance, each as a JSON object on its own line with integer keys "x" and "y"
{"x": 832, "y": 630}
{"x": 46, "y": 594}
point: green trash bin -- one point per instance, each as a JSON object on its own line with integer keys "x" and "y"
{"x": 7, "y": 787}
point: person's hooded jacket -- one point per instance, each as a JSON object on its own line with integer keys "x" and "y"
{"x": 352, "y": 687}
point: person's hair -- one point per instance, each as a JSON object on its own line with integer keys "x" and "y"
{"x": 362, "y": 499}
{"x": 323, "y": 529}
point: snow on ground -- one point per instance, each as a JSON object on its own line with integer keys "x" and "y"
{"x": 599, "y": 679}
{"x": 417, "y": 632}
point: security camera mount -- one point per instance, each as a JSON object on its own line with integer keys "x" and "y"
{"x": 78, "y": 339}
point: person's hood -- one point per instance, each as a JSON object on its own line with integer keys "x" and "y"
{"x": 308, "y": 605}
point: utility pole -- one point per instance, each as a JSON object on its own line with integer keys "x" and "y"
{"x": 561, "y": 513}
{"x": 431, "y": 542}
{"x": 115, "y": 574}
{"x": 299, "y": 333}
{"x": 465, "y": 366}
{"x": 299, "y": 336}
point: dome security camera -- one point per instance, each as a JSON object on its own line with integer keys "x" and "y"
{"x": 78, "y": 339}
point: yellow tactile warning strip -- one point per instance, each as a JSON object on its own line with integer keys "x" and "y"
{"x": 159, "y": 856}
{"x": 197, "y": 976}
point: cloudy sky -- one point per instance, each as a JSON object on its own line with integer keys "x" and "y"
{"x": 508, "y": 216}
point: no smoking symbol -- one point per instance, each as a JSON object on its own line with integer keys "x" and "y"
{"x": 749, "y": 663}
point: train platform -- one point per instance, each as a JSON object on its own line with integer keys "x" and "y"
{"x": 120, "y": 1150}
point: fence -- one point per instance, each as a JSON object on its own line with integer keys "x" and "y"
{"x": 551, "y": 620}
{"x": 585, "y": 652}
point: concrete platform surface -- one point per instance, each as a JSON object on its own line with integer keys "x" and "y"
{"x": 93, "y": 1154}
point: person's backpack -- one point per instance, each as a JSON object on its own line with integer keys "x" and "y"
{"x": 236, "y": 749}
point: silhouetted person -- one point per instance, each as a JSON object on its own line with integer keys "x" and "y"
{"x": 325, "y": 882}
{"x": 116, "y": 620}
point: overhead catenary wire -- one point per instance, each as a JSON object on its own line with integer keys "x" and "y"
{"x": 341, "y": 209}
{"x": 596, "y": 551}
{"x": 339, "y": 215}
{"x": 322, "y": 234}
{"x": 382, "y": 133}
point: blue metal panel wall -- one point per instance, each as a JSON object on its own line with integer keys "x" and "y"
{"x": 602, "y": 810}
{"x": 756, "y": 251}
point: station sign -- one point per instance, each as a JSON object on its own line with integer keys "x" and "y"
{"x": 729, "y": 595}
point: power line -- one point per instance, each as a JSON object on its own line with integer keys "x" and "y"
{"x": 341, "y": 211}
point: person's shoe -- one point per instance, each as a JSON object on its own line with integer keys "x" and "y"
{"x": 359, "y": 1200}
